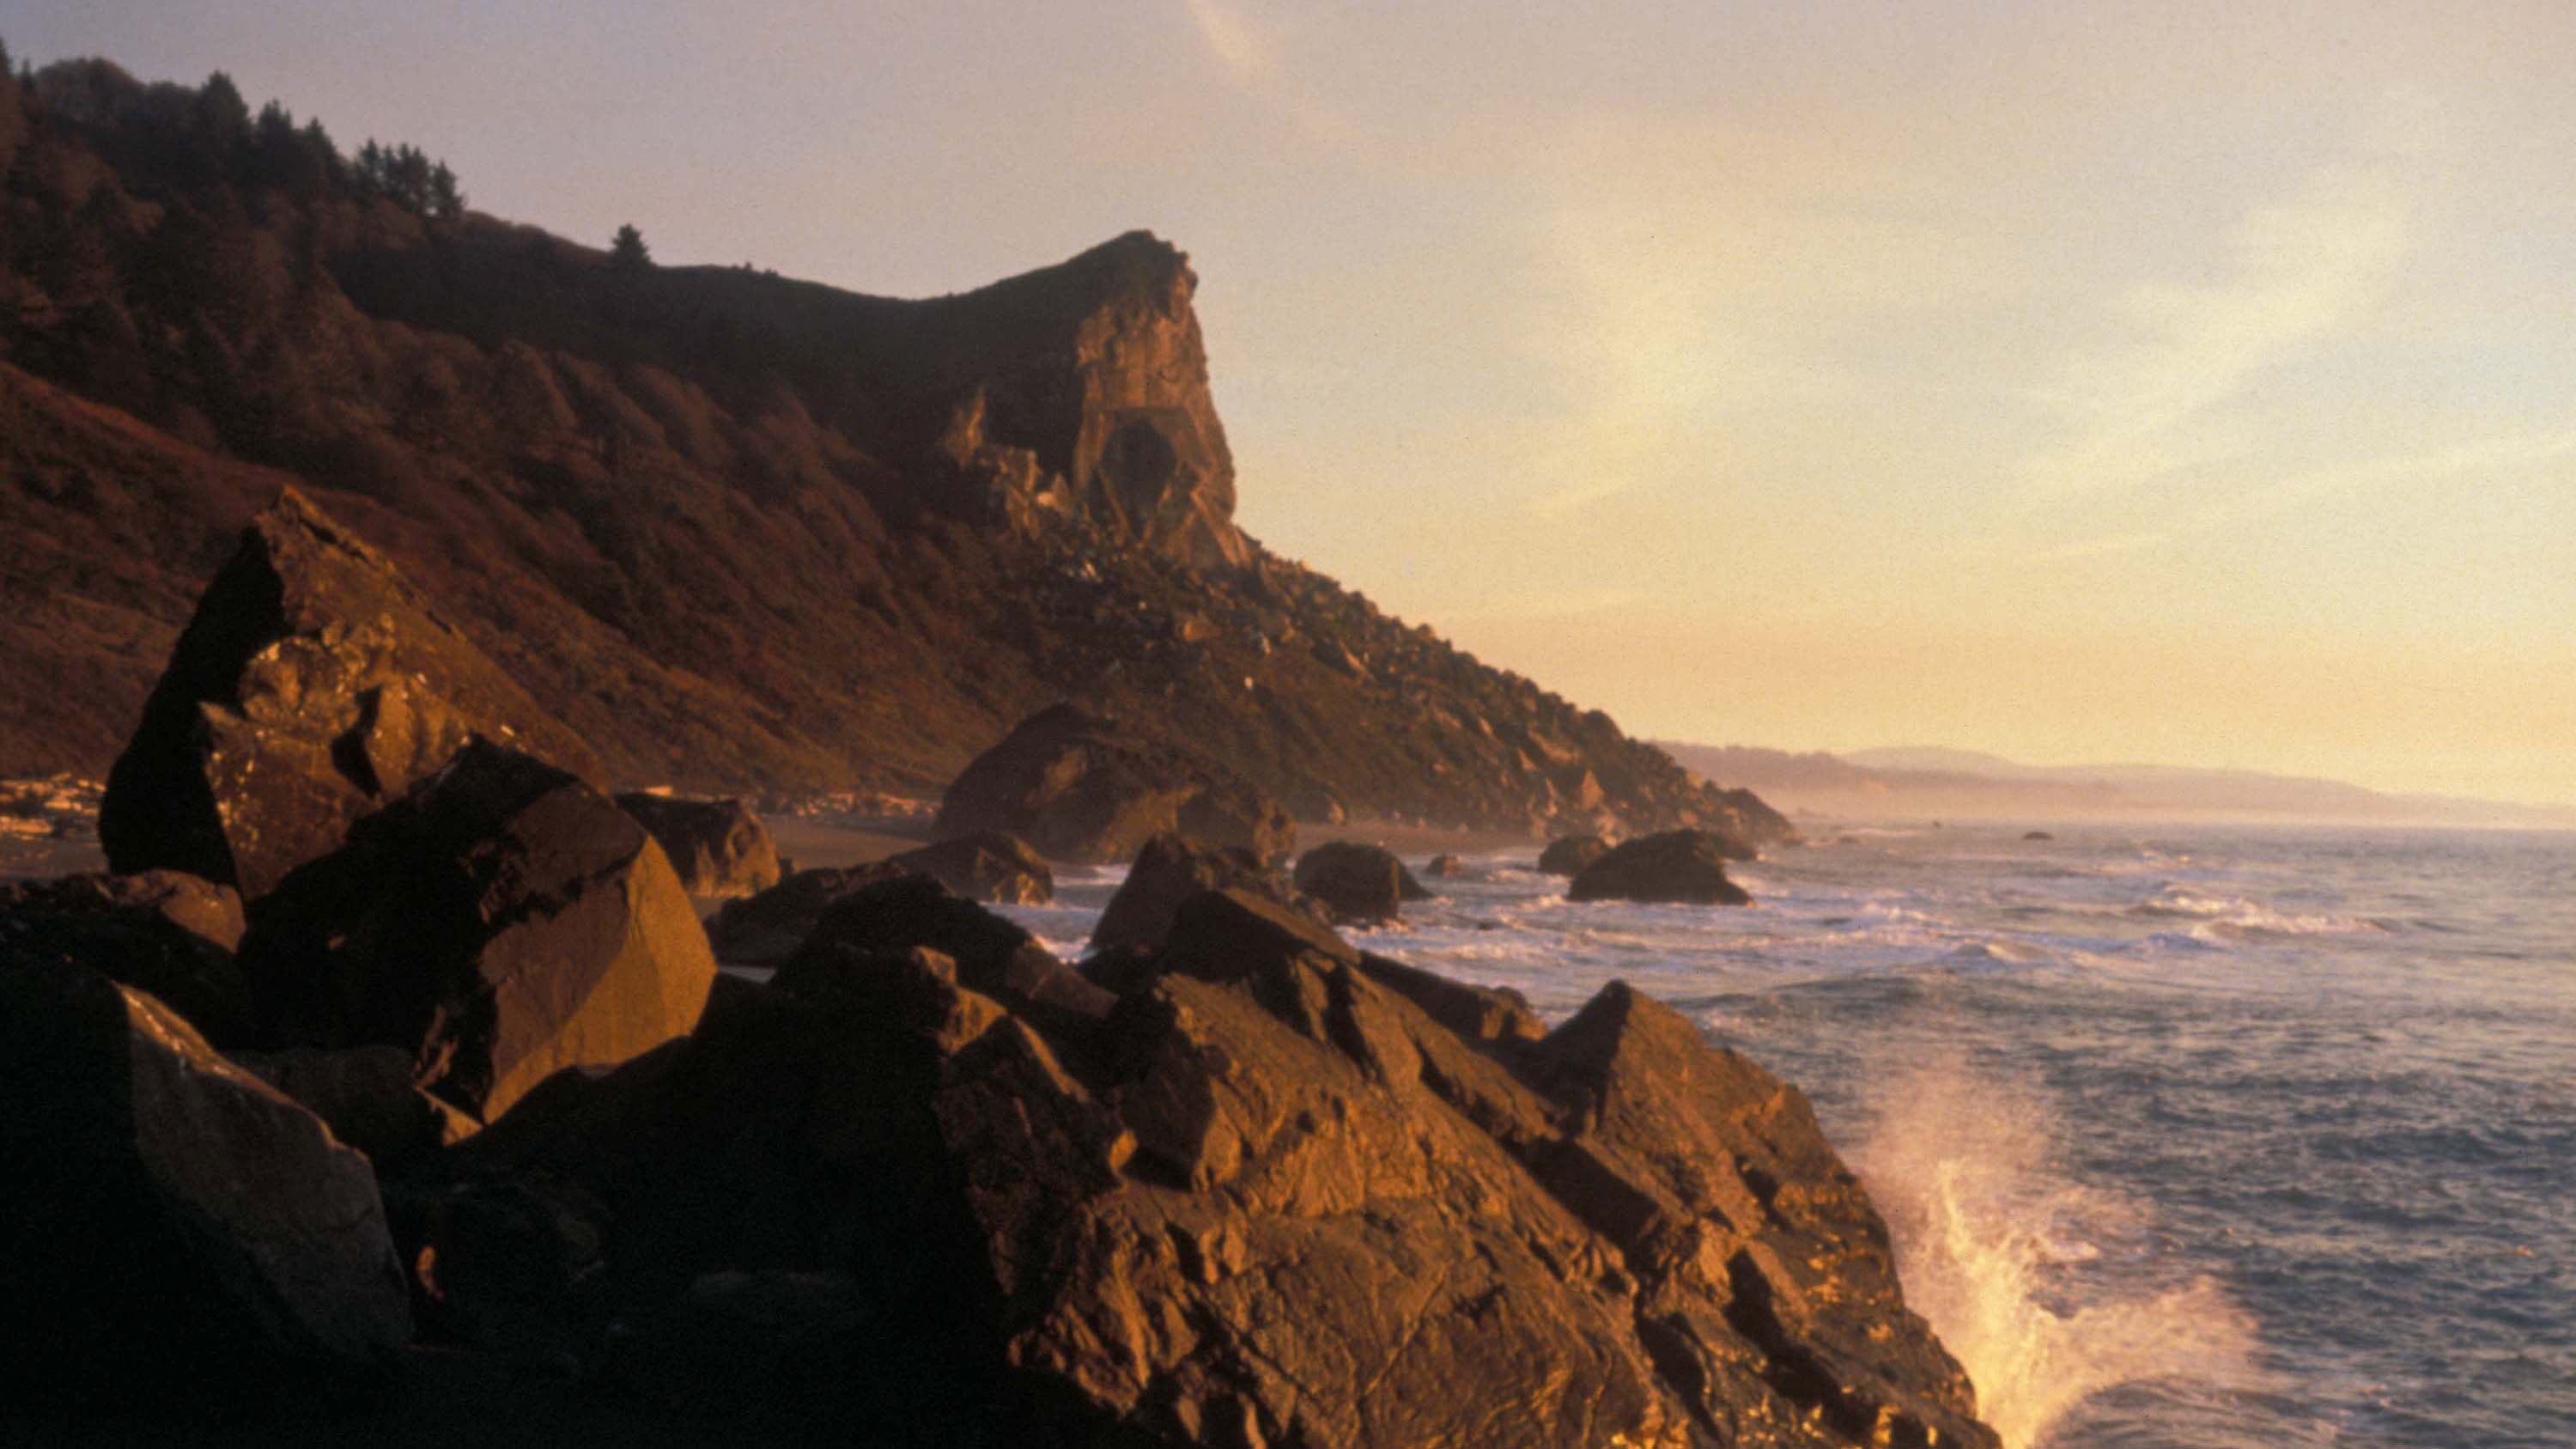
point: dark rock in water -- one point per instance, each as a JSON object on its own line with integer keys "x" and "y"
{"x": 1570, "y": 854}
{"x": 1168, "y": 871}
{"x": 364, "y": 1095}
{"x": 718, "y": 847}
{"x": 312, "y": 685}
{"x": 191, "y": 903}
{"x": 1677, "y": 866}
{"x": 766, "y": 929}
{"x": 990, "y": 955}
{"x": 1446, "y": 865}
{"x": 160, "y": 931}
{"x": 1083, "y": 787}
{"x": 180, "y": 1237}
{"x": 1277, "y": 1197}
{"x": 2037, "y": 835}
{"x": 501, "y": 921}
{"x": 984, "y": 866}
{"x": 1357, "y": 882}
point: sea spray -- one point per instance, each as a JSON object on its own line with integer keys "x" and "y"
{"x": 1993, "y": 1244}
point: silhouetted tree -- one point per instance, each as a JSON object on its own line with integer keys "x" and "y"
{"x": 221, "y": 111}
{"x": 446, "y": 202}
{"x": 371, "y": 167}
{"x": 627, "y": 251}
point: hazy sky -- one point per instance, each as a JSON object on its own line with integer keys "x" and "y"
{"x": 2176, "y": 382}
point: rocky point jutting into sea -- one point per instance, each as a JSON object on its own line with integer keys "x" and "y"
{"x": 387, "y": 1088}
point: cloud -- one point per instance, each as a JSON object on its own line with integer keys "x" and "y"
{"x": 1236, "y": 45}
{"x": 2301, "y": 270}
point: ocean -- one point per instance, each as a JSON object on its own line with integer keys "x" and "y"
{"x": 2192, "y": 1137}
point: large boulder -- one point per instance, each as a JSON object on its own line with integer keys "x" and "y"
{"x": 1568, "y": 855}
{"x": 312, "y": 685}
{"x": 1358, "y": 883}
{"x": 1168, "y": 870}
{"x": 180, "y": 1237}
{"x": 984, "y": 866}
{"x": 894, "y": 917}
{"x": 719, "y": 847}
{"x": 765, "y": 929}
{"x": 1282, "y": 1193}
{"x": 1678, "y": 866}
{"x": 502, "y": 921}
{"x": 1083, "y": 787}
{"x": 162, "y": 932}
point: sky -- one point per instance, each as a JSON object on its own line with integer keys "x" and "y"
{"x": 2180, "y": 382}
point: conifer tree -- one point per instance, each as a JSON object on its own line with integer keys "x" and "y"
{"x": 627, "y": 252}
{"x": 446, "y": 202}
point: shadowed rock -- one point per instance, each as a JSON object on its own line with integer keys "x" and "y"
{"x": 1169, "y": 870}
{"x": 180, "y": 1237}
{"x": 1083, "y": 787}
{"x": 1358, "y": 883}
{"x": 984, "y": 866}
{"x": 312, "y": 685}
{"x": 990, "y": 955}
{"x": 1445, "y": 865}
{"x": 502, "y": 921}
{"x": 718, "y": 847}
{"x": 162, "y": 932}
{"x": 1568, "y": 855}
{"x": 1686, "y": 867}
{"x": 766, "y": 929}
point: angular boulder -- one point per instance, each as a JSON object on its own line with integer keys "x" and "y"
{"x": 1684, "y": 867}
{"x": 984, "y": 866}
{"x": 1168, "y": 870}
{"x": 1568, "y": 855}
{"x": 312, "y": 685}
{"x": 180, "y": 1237}
{"x": 500, "y": 922}
{"x": 162, "y": 932}
{"x": 1445, "y": 865}
{"x": 1356, "y": 882}
{"x": 1083, "y": 787}
{"x": 988, "y": 954}
{"x": 1282, "y": 1194}
{"x": 765, "y": 929}
{"x": 718, "y": 847}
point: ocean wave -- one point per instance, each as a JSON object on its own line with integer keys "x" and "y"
{"x": 2240, "y": 915}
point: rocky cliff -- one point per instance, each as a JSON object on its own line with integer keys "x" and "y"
{"x": 734, "y": 530}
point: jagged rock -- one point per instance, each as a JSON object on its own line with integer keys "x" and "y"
{"x": 719, "y": 847}
{"x": 191, "y": 903}
{"x": 1445, "y": 865}
{"x": 1357, "y": 882}
{"x": 1682, "y": 866}
{"x": 501, "y": 921}
{"x": 1168, "y": 871}
{"x": 1277, "y": 1197}
{"x": 162, "y": 932}
{"x": 1083, "y": 787}
{"x": 312, "y": 685}
{"x": 912, "y": 912}
{"x": 766, "y": 929}
{"x": 1569, "y": 855}
{"x": 984, "y": 866}
{"x": 180, "y": 1236}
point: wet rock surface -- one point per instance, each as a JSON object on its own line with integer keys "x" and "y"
{"x": 1678, "y": 866}
{"x": 1083, "y": 787}
{"x": 718, "y": 847}
{"x": 502, "y": 921}
{"x": 181, "y": 1237}
{"x": 312, "y": 685}
{"x": 1356, "y": 882}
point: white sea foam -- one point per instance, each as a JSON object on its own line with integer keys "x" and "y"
{"x": 1993, "y": 1244}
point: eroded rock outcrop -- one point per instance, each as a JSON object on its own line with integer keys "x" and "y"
{"x": 1168, "y": 870}
{"x": 501, "y": 921}
{"x": 718, "y": 847}
{"x": 1569, "y": 854}
{"x": 1686, "y": 867}
{"x": 312, "y": 685}
{"x": 180, "y": 1237}
{"x": 1083, "y": 787}
{"x": 1277, "y": 1192}
{"x": 984, "y": 866}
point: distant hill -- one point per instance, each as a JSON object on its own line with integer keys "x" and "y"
{"x": 1935, "y": 782}
{"x": 740, "y": 531}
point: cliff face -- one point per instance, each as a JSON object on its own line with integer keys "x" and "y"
{"x": 735, "y": 530}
